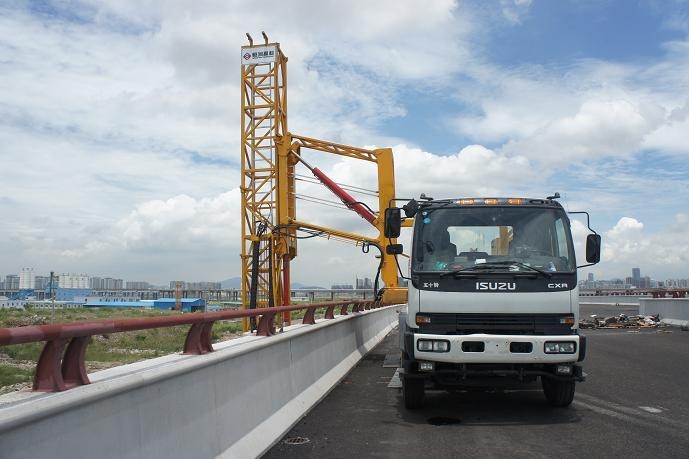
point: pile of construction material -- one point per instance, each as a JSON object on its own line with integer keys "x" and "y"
{"x": 621, "y": 321}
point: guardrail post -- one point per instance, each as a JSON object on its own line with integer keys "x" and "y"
{"x": 330, "y": 312}
{"x": 199, "y": 339}
{"x": 73, "y": 363}
{"x": 48, "y": 377}
{"x": 309, "y": 316}
{"x": 265, "y": 325}
{"x": 343, "y": 310}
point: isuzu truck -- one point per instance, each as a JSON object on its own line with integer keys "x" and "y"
{"x": 493, "y": 296}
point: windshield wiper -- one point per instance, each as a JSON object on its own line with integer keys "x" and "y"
{"x": 493, "y": 264}
{"x": 522, "y": 265}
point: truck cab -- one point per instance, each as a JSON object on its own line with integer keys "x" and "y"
{"x": 493, "y": 297}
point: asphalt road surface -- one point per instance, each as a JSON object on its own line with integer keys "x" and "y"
{"x": 634, "y": 403}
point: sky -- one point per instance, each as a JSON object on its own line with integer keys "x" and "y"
{"x": 120, "y": 135}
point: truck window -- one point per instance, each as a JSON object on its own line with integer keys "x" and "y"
{"x": 561, "y": 234}
{"x": 452, "y": 238}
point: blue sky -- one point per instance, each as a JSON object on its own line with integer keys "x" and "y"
{"x": 119, "y": 123}
{"x": 556, "y": 33}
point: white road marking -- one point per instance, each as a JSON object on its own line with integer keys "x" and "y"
{"x": 640, "y": 416}
{"x": 395, "y": 381}
{"x": 651, "y": 409}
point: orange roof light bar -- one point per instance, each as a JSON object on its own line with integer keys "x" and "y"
{"x": 490, "y": 201}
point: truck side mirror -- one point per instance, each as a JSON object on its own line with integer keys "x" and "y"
{"x": 393, "y": 222}
{"x": 394, "y": 249}
{"x": 593, "y": 244}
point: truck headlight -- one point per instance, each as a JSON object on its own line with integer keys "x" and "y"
{"x": 426, "y": 366}
{"x": 433, "y": 345}
{"x": 560, "y": 347}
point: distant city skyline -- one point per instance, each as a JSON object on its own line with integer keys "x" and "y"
{"x": 28, "y": 279}
{"x": 71, "y": 280}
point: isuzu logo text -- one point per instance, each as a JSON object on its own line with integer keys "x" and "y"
{"x": 499, "y": 286}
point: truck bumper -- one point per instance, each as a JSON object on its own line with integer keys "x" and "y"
{"x": 505, "y": 349}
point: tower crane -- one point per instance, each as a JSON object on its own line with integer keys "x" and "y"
{"x": 269, "y": 156}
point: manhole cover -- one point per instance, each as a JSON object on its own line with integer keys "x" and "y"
{"x": 443, "y": 421}
{"x": 296, "y": 441}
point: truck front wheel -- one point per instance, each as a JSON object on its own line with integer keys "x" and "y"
{"x": 558, "y": 393}
{"x": 412, "y": 392}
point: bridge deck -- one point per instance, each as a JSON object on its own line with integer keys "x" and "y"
{"x": 634, "y": 403}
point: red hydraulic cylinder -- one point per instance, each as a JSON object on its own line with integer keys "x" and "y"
{"x": 346, "y": 198}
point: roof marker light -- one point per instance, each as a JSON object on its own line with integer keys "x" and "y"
{"x": 515, "y": 201}
{"x": 465, "y": 202}
{"x": 491, "y": 201}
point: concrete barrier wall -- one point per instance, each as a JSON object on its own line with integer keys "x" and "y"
{"x": 621, "y": 299}
{"x": 672, "y": 310}
{"x": 235, "y": 402}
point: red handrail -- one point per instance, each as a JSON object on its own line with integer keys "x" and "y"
{"x": 59, "y": 369}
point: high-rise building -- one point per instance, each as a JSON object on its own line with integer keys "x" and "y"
{"x": 27, "y": 279}
{"x": 41, "y": 282}
{"x": 11, "y": 282}
{"x": 112, "y": 284}
{"x": 590, "y": 278}
{"x": 96, "y": 283}
{"x": 636, "y": 277}
{"x": 73, "y": 281}
{"x": 364, "y": 283}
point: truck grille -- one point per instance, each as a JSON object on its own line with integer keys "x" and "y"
{"x": 497, "y": 324}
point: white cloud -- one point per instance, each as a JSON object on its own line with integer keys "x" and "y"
{"x": 599, "y": 128}
{"x": 515, "y": 10}
{"x": 661, "y": 254}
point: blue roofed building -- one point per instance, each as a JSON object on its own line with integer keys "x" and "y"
{"x": 164, "y": 304}
{"x": 188, "y": 304}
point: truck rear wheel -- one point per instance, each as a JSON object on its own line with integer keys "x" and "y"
{"x": 412, "y": 392}
{"x": 558, "y": 393}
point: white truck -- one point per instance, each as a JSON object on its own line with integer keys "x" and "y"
{"x": 493, "y": 296}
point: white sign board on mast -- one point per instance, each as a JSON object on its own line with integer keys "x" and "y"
{"x": 259, "y": 54}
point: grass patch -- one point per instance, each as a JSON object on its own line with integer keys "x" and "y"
{"x": 10, "y": 375}
{"x": 223, "y": 330}
{"x": 28, "y": 351}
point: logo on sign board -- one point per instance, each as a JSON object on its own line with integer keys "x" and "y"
{"x": 247, "y": 56}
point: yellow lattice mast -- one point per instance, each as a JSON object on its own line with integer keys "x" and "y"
{"x": 269, "y": 155}
{"x": 265, "y": 255}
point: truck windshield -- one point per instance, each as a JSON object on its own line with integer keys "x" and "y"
{"x": 454, "y": 239}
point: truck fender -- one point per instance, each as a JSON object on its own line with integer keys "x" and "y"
{"x": 582, "y": 348}
{"x": 402, "y": 328}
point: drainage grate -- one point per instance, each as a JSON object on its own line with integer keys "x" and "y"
{"x": 443, "y": 421}
{"x": 297, "y": 441}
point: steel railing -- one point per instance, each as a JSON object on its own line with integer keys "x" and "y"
{"x": 62, "y": 363}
